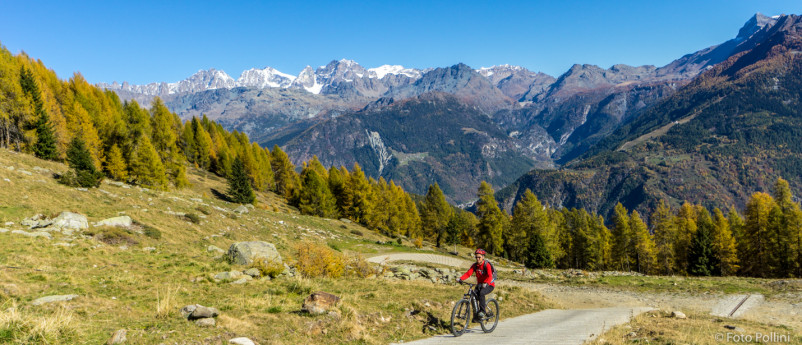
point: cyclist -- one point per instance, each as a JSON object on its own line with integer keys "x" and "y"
{"x": 484, "y": 278}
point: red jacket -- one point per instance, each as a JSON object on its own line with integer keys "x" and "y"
{"x": 483, "y": 274}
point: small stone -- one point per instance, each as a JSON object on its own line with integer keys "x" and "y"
{"x": 118, "y": 337}
{"x": 678, "y": 315}
{"x": 241, "y": 281}
{"x": 206, "y": 322}
{"x": 46, "y": 235}
{"x": 149, "y": 249}
{"x": 202, "y": 312}
{"x": 241, "y": 209}
{"x": 3, "y": 231}
{"x": 121, "y": 221}
{"x": 241, "y": 341}
{"x": 231, "y": 275}
{"x": 186, "y": 311}
{"x": 51, "y": 299}
{"x": 253, "y": 272}
{"x": 63, "y": 244}
{"x": 82, "y": 189}
{"x": 25, "y": 172}
{"x": 215, "y": 249}
{"x": 9, "y": 223}
{"x": 11, "y": 289}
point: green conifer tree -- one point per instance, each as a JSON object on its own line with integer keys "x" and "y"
{"x": 701, "y": 259}
{"x": 239, "y": 185}
{"x": 315, "y": 196}
{"x": 84, "y": 173}
{"x": 538, "y": 253}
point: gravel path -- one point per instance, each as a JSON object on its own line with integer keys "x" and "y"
{"x": 551, "y": 326}
{"x": 431, "y": 258}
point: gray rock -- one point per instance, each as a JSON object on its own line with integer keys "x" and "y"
{"x": 69, "y": 220}
{"x": 3, "y": 231}
{"x": 187, "y": 310}
{"x": 253, "y": 272}
{"x": 46, "y": 235}
{"x": 51, "y": 299}
{"x": 202, "y": 312}
{"x": 207, "y": 322}
{"x": 149, "y": 249}
{"x": 63, "y": 244}
{"x": 215, "y": 249}
{"x": 345, "y": 220}
{"x": 241, "y": 341}
{"x": 242, "y": 280}
{"x": 241, "y": 209}
{"x": 118, "y": 337}
{"x": 34, "y": 221}
{"x": 25, "y": 172}
{"x": 11, "y": 289}
{"x": 319, "y": 302}
{"x": 120, "y": 221}
{"x": 232, "y": 275}
{"x": 245, "y": 253}
{"x": 678, "y": 315}
{"x": 9, "y": 223}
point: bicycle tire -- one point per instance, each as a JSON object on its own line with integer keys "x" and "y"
{"x": 460, "y": 317}
{"x": 492, "y": 306}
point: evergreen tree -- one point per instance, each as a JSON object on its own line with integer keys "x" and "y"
{"x": 45, "y": 145}
{"x": 701, "y": 259}
{"x": 115, "y": 164}
{"x": 239, "y": 186}
{"x": 84, "y": 173}
{"x": 538, "y": 253}
{"x": 435, "y": 213}
{"x": 724, "y": 249}
{"x": 316, "y": 198}
{"x": 492, "y": 220}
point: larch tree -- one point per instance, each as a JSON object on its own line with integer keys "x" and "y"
{"x": 645, "y": 251}
{"x": 146, "y": 166}
{"x": 435, "y": 213}
{"x": 115, "y": 164}
{"x": 492, "y": 220}
{"x": 665, "y": 234}
{"x": 757, "y": 235}
{"x": 724, "y": 248}
{"x": 283, "y": 172}
{"x": 622, "y": 239}
{"x": 685, "y": 223}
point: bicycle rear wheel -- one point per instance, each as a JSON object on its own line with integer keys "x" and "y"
{"x": 460, "y": 317}
{"x": 489, "y": 324}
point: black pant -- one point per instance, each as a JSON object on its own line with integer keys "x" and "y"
{"x": 481, "y": 292}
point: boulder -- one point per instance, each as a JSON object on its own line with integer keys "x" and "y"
{"x": 245, "y": 253}
{"x": 121, "y": 221}
{"x": 207, "y": 322}
{"x": 241, "y": 209}
{"x": 241, "y": 341}
{"x": 319, "y": 302}
{"x": 69, "y": 220}
{"x": 51, "y": 299}
{"x": 678, "y": 315}
{"x": 118, "y": 337}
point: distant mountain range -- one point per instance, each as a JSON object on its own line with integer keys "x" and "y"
{"x": 345, "y": 113}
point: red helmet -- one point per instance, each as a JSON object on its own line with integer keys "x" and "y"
{"x": 480, "y": 251}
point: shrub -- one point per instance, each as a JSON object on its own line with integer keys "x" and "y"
{"x": 418, "y": 242}
{"x": 203, "y": 210}
{"x": 151, "y": 232}
{"x": 268, "y": 267}
{"x": 398, "y": 240}
{"x": 112, "y": 236}
{"x": 357, "y": 266}
{"x": 274, "y": 309}
{"x": 357, "y": 232}
{"x": 194, "y": 218}
{"x": 315, "y": 260}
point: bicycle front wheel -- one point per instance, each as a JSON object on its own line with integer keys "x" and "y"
{"x": 460, "y": 317}
{"x": 489, "y": 323}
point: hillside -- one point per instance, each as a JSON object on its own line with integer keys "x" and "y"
{"x": 138, "y": 278}
{"x": 415, "y": 142}
{"x": 728, "y": 133}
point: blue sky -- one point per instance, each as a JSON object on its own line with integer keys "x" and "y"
{"x": 149, "y": 41}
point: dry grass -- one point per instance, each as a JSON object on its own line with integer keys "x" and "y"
{"x": 658, "y": 327}
{"x": 20, "y": 325}
{"x": 166, "y": 303}
{"x": 142, "y": 290}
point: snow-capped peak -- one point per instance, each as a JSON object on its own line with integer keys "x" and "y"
{"x": 383, "y": 70}
{"x": 263, "y": 78}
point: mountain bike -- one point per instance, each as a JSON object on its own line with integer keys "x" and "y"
{"x": 467, "y": 310}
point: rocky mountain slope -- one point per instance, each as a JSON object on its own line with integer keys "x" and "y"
{"x": 728, "y": 133}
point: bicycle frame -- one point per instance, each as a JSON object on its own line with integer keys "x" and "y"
{"x": 472, "y": 298}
